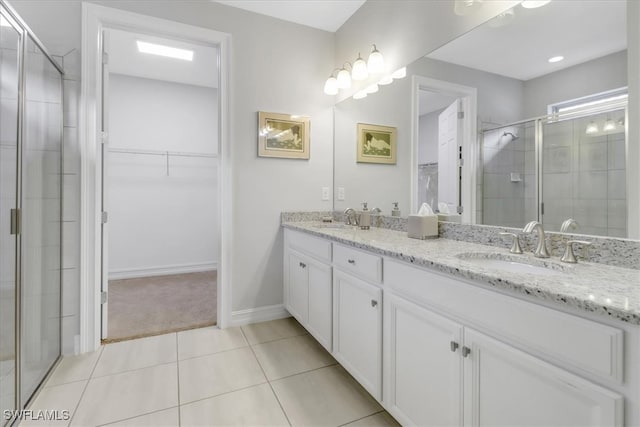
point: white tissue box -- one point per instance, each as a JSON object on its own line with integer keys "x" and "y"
{"x": 423, "y": 227}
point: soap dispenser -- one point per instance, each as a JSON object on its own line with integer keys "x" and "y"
{"x": 396, "y": 210}
{"x": 365, "y": 217}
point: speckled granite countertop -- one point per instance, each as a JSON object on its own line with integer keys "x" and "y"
{"x": 610, "y": 291}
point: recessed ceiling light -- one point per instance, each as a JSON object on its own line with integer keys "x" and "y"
{"x": 556, "y": 59}
{"x": 532, "y": 4}
{"x": 161, "y": 50}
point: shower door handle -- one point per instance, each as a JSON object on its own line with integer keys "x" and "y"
{"x": 15, "y": 222}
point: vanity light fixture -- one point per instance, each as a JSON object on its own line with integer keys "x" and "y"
{"x": 331, "y": 85}
{"x": 344, "y": 78}
{"x": 532, "y": 4}
{"x": 400, "y": 73}
{"x": 556, "y": 58}
{"x": 359, "y": 70}
{"x": 592, "y": 128}
{"x": 360, "y": 95}
{"x": 162, "y": 50}
{"x": 372, "y": 89}
{"x": 609, "y": 125}
{"x": 375, "y": 64}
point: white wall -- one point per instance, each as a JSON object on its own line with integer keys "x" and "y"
{"x": 599, "y": 75}
{"x": 162, "y": 220}
{"x": 428, "y": 133}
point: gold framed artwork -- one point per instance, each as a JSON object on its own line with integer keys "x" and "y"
{"x": 283, "y": 135}
{"x": 376, "y": 144}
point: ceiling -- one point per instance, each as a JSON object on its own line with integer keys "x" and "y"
{"x": 124, "y": 58}
{"x": 328, "y": 15}
{"x": 433, "y": 101}
{"x": 520, "y": 45}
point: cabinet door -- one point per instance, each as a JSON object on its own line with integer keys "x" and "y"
{"x": 357, "y": 330}
{"x": 423, "y": 365}
{"x": 298, "y": 287}
{"x": 507, "y": 387}
{"x": 320, "y": 303}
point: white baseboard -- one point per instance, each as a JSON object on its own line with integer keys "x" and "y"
{"x": 258, "y": 314}
{"x": 162, "y": 271}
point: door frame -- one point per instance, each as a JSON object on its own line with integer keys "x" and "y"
{"x": 469, "y": 98}
{"x": 94, "y": 19}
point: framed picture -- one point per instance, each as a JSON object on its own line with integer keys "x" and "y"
{"x": 376, "y": 144}
{"x": 283, "y": 135}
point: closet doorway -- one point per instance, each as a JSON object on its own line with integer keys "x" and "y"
{"x": 160, "y": 192}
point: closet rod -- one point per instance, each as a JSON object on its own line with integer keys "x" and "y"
{"x": 162, "y": 153}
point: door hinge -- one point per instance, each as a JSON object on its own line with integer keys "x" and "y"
{"x": 15, "y": 221}
{"x": 105, "y": 217}
{"x": 460, "y": 162}
{"x": 459, "y": 209}
{"x": 103, "y": 297}
{"x": 105, "y": 58}
{"x": 104, "y": 137}
{"x": 460, "y": 115}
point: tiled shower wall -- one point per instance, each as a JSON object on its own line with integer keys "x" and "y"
{"x": 71, "y": 206}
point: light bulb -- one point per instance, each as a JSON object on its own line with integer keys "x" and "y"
{"x": 400, "y": 74}
{"x": 376, "y": 61}
{"x": 556, "y": 59}
{"x": 344, "y": 79}
{"x": 360, "y": 95}
{"x": 359, "y": 69}
{"x": 609, "y": 125}
{"x": 331, "y": 86}
{"x": 387, "y": 80}
{"x": 532, "y": 4}
{"x": 372, "y": 89}
{"x": 592, "y": 128}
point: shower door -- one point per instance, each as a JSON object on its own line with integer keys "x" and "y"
{"x": 9, "y": 47}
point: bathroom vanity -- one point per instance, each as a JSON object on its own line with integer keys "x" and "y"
{"x": 445, "y": 332}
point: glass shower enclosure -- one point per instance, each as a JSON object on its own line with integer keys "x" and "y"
{"x": 556, "y": 167}
{"x": 30, "y": 212}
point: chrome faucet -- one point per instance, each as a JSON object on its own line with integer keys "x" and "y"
{"x": 567, "y": 224}
{"x": 541, "y": 250}
{"x": 351, "y": 216}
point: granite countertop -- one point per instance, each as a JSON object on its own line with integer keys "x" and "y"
{"x": 597, "y": 288}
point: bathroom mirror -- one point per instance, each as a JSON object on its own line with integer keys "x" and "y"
{"x": 514, "y": 170}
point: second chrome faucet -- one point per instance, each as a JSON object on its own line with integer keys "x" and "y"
{"x": 541, "y": 250}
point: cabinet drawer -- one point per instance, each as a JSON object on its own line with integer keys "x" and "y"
{"x": 310, "y": 245}
{"x": 365, "y": 265}
{"x": 583, "y": 344}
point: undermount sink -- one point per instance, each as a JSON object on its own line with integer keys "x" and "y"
{"x": 514, "y": 264}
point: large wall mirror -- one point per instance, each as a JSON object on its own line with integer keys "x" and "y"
{"x": 540, "y": 139}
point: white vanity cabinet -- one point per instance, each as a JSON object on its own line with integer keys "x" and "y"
{"x": 308, "y": 284}
{"x": 357, "y": 330}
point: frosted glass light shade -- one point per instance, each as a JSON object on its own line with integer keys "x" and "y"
{"x": 400, "y": 74}
{"x": 359, "y": 70}
{"x": 609, "y": 125}
{"x": 375, "y": 62}
{"x": 331, "y": 86}
{"x": 344, "y": 79}
{"x": 592, "y": 128}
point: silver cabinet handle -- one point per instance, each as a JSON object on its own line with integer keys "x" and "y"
{"x": 465, "y": 351}
{"x": 454, "y": 346}
{"x": 303, "y": 265}
{"x": 351, "y": 261}
{"x": 374, "y": 303}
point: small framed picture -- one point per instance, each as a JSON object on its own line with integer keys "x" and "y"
{"x": 376, "y": 144}
{"x": 283, "y": 135}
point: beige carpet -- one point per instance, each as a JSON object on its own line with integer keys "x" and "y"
{"x": 157, "y": 305}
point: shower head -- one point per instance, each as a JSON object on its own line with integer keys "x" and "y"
{"x": 513, "y": 137}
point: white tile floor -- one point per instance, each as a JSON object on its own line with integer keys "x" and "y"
{"x": 269, "y": 374}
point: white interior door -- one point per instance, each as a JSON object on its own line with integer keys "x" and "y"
{"x": 103, "y": 141}
{"x": 449, "y": 133}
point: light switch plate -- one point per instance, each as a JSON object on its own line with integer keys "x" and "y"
{"x": 340, "y": 193}
{"x": 325, "y": 193}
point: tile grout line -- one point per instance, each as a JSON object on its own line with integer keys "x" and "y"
{"x": 136, "y": 416}
{"x": 286, "y": 416}
{"x": 84, "y": 390}
{"x": 362, "y": 418}
{"x": 222, "y": 394}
